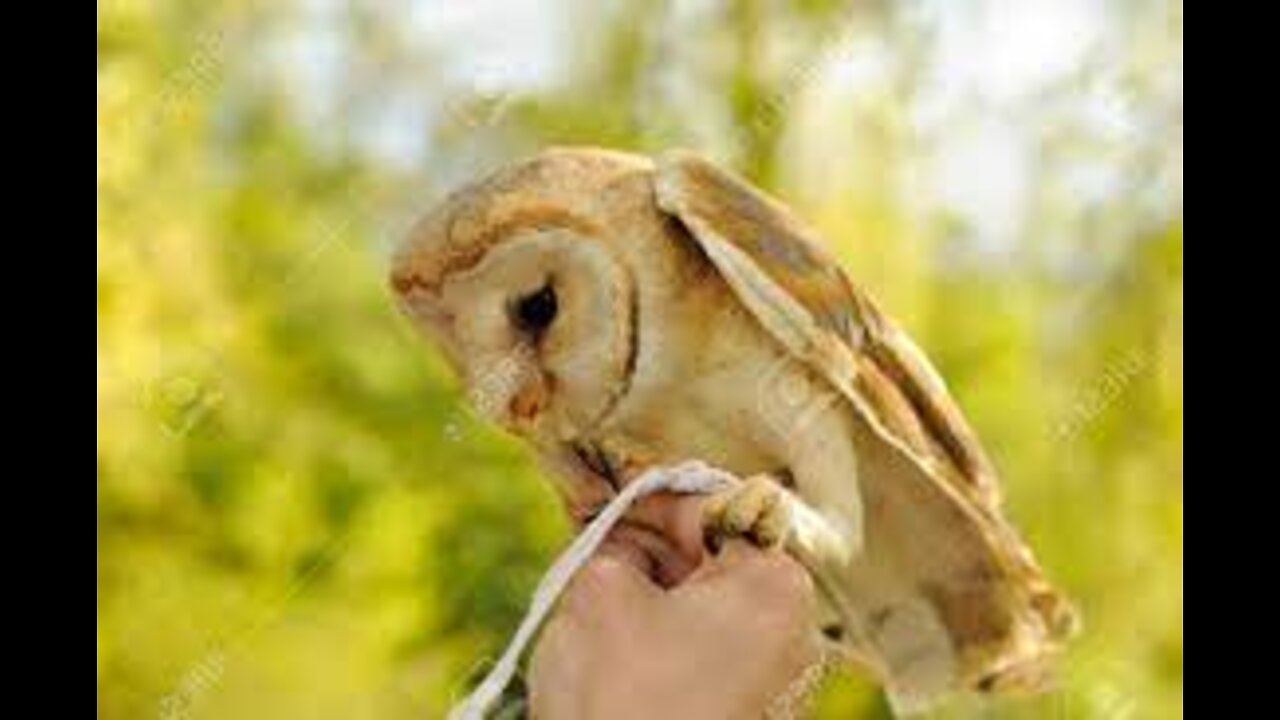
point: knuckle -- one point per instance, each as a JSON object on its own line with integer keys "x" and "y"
{"x": 782, "y": 579}
{"x": 596, "y": 581}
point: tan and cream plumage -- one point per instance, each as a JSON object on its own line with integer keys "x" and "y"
{"x": 620, "y": 313}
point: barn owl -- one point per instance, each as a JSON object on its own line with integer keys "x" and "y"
{"x": 620, "y": 313}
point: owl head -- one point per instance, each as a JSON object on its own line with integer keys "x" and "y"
{"x": 520, "y": 282}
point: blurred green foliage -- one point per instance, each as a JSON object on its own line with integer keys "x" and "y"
{"x": 297, "y": 517}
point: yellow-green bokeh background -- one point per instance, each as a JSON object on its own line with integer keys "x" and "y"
{"x": 296, "y": 516}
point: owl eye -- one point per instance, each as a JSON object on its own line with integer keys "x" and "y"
{"x": 536, "y": 311}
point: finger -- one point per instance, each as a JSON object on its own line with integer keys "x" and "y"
{"x": 766, "y": 571}
{"x": 606, "y": 586}
{"x": 742, "y": 569}
{"x": 736, "y": 554}
{"x": 739, "y": 552}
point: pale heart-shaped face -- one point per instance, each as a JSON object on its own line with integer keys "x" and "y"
{"x": 532, "y": 281}
{"x": 540, "y": 330}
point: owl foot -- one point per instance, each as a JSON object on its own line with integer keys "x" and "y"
{"x": 755, "y": 510}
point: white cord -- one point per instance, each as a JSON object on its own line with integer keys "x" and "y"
{"x": 687, "y": 478}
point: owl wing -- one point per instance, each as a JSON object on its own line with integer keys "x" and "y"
{"x": 938, "y": 522}
{"x": 800, "y": 294}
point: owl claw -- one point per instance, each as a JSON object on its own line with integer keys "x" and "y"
{"x": 754, "y": 510}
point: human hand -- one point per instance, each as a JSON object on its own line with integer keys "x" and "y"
{"x": 724, "y": 642}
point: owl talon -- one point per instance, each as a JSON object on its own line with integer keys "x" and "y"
{"x": 755, "y": 510}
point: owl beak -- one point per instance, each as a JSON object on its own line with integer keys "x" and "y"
{"x": 592, "y": 473}
{"x": 598, "y": 462}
